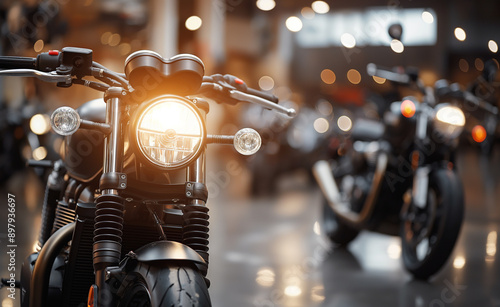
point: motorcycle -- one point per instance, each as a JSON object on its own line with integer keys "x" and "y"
{"x": 398, "y": 177}
{"x": 124, "y": 220}
{"x": 481, "y": 113}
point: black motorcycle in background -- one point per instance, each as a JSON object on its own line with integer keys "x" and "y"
{"x": 398, "y": 177}
{"x": 124, "y": 220}
{"x": 25, "y": 137}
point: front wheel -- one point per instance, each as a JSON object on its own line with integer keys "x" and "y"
{"x": 428, "y": 234}
{"x": 157, "y": 285}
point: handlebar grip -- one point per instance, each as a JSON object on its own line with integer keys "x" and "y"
{"x": 15, "y": 62}
{"x": 260, "y": 94}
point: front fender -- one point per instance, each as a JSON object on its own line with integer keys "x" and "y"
{"x": 167, "y": 251}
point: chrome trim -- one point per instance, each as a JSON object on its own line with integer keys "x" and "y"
{"x": 240, "y": 96}
{"x": 323, "y": 174}
{"x": 44, "y": 76}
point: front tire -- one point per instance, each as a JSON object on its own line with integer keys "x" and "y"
{"x": 428, "y": 235}
{"x": 157, "y": 285}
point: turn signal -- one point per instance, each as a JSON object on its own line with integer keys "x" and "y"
{"x": 247, "y": 141}
{"x": 407, "y": 108}
{"x": 65, "y": 121}
{"x": 478, "y": 133}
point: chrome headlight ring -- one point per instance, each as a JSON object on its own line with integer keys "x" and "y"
{"x": 169, "y": 132}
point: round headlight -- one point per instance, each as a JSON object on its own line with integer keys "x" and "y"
{"x": 449, "y": 120}
{"x": 170, "y": 132}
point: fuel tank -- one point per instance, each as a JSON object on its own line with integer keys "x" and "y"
{"x": 83, "y": 151}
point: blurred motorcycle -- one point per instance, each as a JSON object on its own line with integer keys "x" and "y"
{"x": 124, "y": 220}
{"x": 482, "y": 115}
{"x": 25, "y": 137}
{"x": 288, "y": 145}
{"x": 399, "y": 178}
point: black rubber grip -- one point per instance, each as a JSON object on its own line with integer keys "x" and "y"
{"x": 260, "y": 94}
{"x": 15, "y": 62}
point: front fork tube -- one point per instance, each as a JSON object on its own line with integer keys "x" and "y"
{"x": 196, "y": 173}
{"x": 107, "y": 246}
{"x": 421, "y": 177}
{"x": 421, "y": 186}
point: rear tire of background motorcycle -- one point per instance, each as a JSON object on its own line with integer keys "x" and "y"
{"x": 335, "y": 229}
{"x": 449, "y": 192}
{"x": 160, "y": 285}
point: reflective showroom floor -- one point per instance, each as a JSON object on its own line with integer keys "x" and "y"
{"x": 269, "y": 251}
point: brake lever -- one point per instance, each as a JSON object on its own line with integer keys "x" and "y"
{"x": 240, "y": 96}
{"x": 44, "y": 76}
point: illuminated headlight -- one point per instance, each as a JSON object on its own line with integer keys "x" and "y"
{"x": 170, "y": 132}
{"x": 449, "y": 120}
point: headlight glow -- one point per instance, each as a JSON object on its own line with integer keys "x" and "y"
{"x": 170, "y": 132}
{"x": 449, "y": 120}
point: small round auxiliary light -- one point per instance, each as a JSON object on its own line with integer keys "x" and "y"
{"x": 65, "y": 121}
{"x": 247, "y": 141}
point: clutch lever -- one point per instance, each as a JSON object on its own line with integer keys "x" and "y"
{"x": 44, "y": 76}
{"x": 240, "y": 96}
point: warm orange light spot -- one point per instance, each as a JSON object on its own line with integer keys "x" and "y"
{"x": 407, "y": 108}
{"x": 90, "y": 300}
{"x": 478, "y": 133}
{"x": 415, "y": 158}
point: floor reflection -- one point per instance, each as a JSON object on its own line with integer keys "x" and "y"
{"x": 270, "y": 252}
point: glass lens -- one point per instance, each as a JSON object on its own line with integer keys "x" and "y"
{"x": 65, "y": 121}
{"x": 170, "y": 133}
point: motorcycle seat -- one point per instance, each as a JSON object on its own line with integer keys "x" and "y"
{"x": 367, "y": 130}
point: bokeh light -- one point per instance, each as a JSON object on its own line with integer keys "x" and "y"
{"x": 348, "y": 40}
{"x": 40, "y": 124}
{"x": 266, "y": 83}
{"x": 460, "y": 34}
{"x": 294, "y": 24}
{"x": 459, "y": 262}
{"x": 463, "y": 65}
{"x": 344, "y": 123}
{"x": 325, "y": 107}
{"x": 320, "y": 7}
{"x": 293, "y": 291}
{"x": 493, "y": 46}
{"x": 394, "y": 251}
{"x": 114, "y": 39}
{"x": 266, "y": 5}
{"x": 38, "y": 46}
{"x": 427, "y": 17}
{"x": 39, "y": 153}
{"x": 307, "y": 13}
{"x": 125, "y": 48}
{"x": 354, "y": 76}
{"x": 379, "y": 80}
{"x": 265, "y": 277}
{"x": 321, "y": 125}
{"x": 328, "y": 76}
{"x": 193, "y": 23}
{"x": 397, "y": 46}
{"x": 479, "y": 133}
{"x": 479, "y": 64}
{"x": 105, "y": 38}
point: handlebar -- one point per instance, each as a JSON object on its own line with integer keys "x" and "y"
{"x": 231, "y": 90}
{"x": 233, "y": 82}
{"x": 397, "y": 74}
{"x": 70, "y": 65}
{"x": 14, "y": 62}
